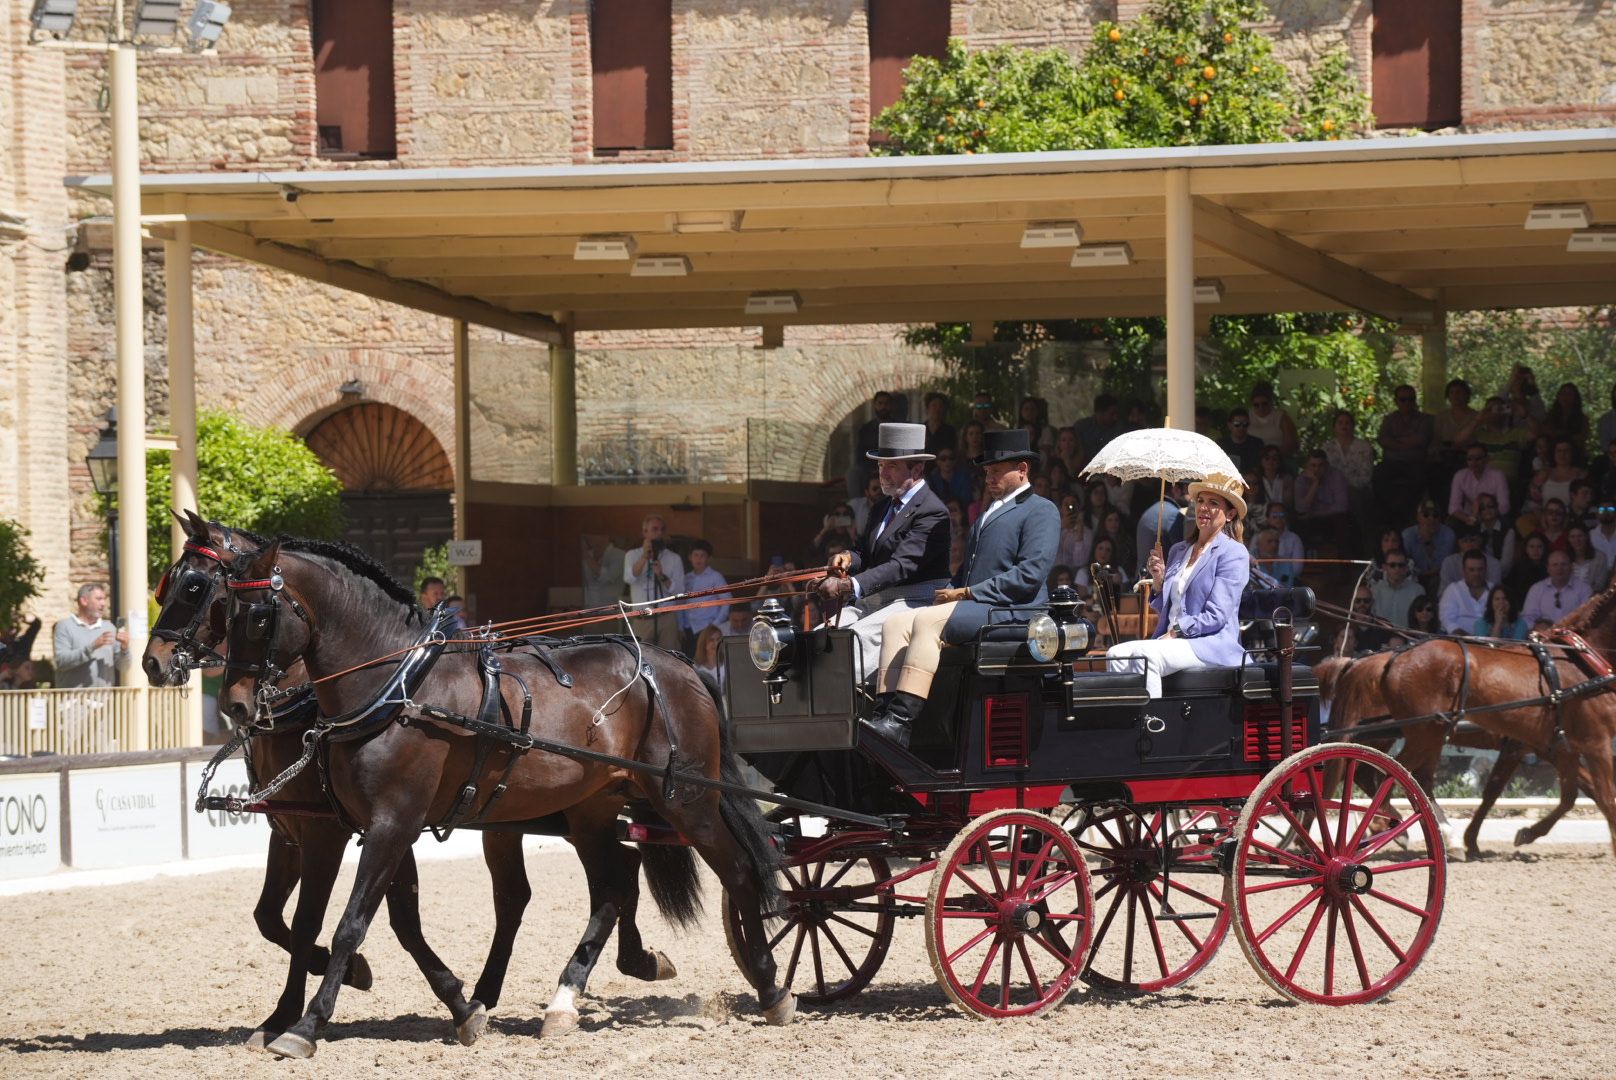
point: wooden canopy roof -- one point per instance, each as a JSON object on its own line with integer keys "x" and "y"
{"x": 1403, "y": 228}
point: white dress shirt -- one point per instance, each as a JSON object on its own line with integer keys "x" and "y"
{"x": 997, "y": 503}
{"x": 1458, "y": 610}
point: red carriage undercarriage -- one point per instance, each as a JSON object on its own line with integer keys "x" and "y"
{"x": 1051, "y": 824}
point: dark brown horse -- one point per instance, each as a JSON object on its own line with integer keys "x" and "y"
{"x": 400, "y": 768}
{"x": 1426, "y": 680}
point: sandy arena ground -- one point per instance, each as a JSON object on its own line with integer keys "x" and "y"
{"x": 168, "y": 977}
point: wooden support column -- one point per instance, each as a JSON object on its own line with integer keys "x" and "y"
{"x": 564, "y": 410}
{"x": 1434, "y": 364}
{"x": 1180, "y": 301}
{"x": 462, "y": 438}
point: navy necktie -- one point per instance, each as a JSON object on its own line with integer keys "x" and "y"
{"x": 892, "y": 512}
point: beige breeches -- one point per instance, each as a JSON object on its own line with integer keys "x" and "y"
{"x": 911, "y": 649}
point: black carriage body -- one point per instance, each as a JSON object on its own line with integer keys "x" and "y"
{"x": 999, "y": 730}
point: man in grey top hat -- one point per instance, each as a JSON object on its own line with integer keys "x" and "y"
{"x": 902, "y": 556}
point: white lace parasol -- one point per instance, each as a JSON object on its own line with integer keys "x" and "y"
{"x": 1165, "y": 454}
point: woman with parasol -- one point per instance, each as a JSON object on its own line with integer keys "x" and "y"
{"x": 1201, "y": 579}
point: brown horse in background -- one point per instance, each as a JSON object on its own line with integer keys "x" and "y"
{"x": 1426, "y": 679}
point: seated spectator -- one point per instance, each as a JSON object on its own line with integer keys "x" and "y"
{"x": 1100, "y": 427}
{"x": 1422, "y": 618}
{"x": 1076, "y": 537}
{"x": 947, "y": 479}
{"x": 1115, "y": 525}
{"x": 459, "y": 617}
{"x": 1531, "y": 567}
{"x": 956, "y": 517}
{"x": 1361, "y": 634}
{"x": 1040, "y": 486}
{"x": 1034, "y": 417}
{"x": 1453, "y": 566}
{"x": 982, "y": 412}
{"x": 739, "y": 623}
{"x": 702, "y": 577}
{"x": 1552, "y": 524}
{"x": 1059, "y": 575}
{"x": 1603, "y": 535}
{"x": 1394, "y": 594}
{"x": 1565, "y": 419}
{"x": 1390, "y": 540}
{"x": 1069, "y": 451}
{"x": 1349, "y": 455}
{"x": 1060, "y": 479}
{"x": 1469, "y": 483}
{"x": 1096, "y": 503}
{"x": 1588, "y": 564}
{"x": 1504, "y": 443}
{"x": 1274, "y": 483}
{"x": 1243, "y": 448}
{"x": 940, "y": 434}
{"x": 1169, "y": 507}
{"x": 1289, "y": 545}
{"x": 708, "y": 656}
{"x": 1270, "y": 423}
{"x": 861, "y": 505}
{"x": 1405, "y": 438}
{"x": 1557, "y": 595}
{"x": 970, "y": 445}
{"x": 1428, "y": 542}
{"x": 1323, "y": 504}
{"x": 1603, "y": 475}
{"x": 1497, "y": 538}
{"x": 1105, "y": 554}
{"x": 1465, "y": 601}
{"x": 1501, "y": 619}
{"x": 1558, "y": 477}
{"x": 1581, "y": 510}
{"x": 1266, "y": 560}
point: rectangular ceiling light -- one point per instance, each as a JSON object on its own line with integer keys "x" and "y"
{"x": 604, "y": 249}
{"x": 1103, "y": 255}
{"x": 1601, "y": 241}
{"x": 777, "y": 303}
{"x": 1558, "y": 216}
{"x": 1051, "y": 234}
{"x": 207, "y": 23}
{"x": 1209, "y": 290}
{"x": 54, "y": 16}
{"x": 660, "y": 266}
{"x": 704, "y": 221}
{"x": 157, "y": 18}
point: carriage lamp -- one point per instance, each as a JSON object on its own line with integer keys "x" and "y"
{"x": 1059, "y": 630}
{"x": 770, "y": 644}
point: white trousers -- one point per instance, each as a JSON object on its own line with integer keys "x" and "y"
{"x": 1156, "y": 657}
{"x": 866, "y": 626}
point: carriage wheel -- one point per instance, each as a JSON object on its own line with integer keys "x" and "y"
{"x": 1008, "y": 915}
{"x": 833, "y": 920}
{"x": 1330, "y": 906}
{"x": 1152, "y": 930}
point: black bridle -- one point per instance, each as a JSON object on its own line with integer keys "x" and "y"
{"x": 186, "y": 595}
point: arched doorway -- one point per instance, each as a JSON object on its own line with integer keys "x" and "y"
{"x": 396, "y": 479}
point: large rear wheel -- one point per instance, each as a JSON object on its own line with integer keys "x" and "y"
{"x": 1008, "y": 915}
{"x": 1336, "y": 893}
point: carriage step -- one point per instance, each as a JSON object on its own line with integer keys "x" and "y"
{"x": 1173, "y": 916}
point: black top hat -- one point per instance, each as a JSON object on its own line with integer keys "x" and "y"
{"x": 1014, "y": 444}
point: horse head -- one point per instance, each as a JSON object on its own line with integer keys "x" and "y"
{"x": 191, "y": 620}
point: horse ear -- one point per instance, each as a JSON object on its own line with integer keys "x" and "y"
{"x": 270, "y": 555}
{"x": 194, "y": 523}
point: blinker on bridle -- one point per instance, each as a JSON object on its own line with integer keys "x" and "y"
{"x": 188, "y": 611}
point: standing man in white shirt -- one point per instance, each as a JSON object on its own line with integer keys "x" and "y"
{"x": 1465, "y": 601}
{"x": 652, "y": 573}
{"x": 1557, "y": 595}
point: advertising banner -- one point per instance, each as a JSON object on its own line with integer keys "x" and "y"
{"x": 128, "y": 816}
{"x": 215, "y": 832}
{"x": 30, "y": 825}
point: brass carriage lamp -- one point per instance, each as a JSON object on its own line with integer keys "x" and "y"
{"x": 1059, "y": 630}
{"x": 771, "y": 643}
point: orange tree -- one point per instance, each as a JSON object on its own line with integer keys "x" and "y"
{"x": 1185, "y": 73}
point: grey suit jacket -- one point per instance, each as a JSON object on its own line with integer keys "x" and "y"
{"x": 1007, "y": 564}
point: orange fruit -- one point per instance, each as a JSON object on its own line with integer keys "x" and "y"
{"x": 1328, "y": 125}
{"x": 1180, "y": 61}
{"x": 981, "y": 104}
{"x": 1115, "y": 34}
{"x": 1209, "y": 72}
{"x": 1119, "y": 95}
{"x": 939, "y": 138}
{"x": 1228, "y": 38}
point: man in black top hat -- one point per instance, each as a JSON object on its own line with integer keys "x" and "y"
{"x": 902, "y": 557}
{"x": 1007, "y": 560}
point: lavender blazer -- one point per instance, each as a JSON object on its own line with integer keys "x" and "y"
{"x": 1211, "y": 614}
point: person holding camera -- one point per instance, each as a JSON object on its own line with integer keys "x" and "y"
{"x": 836, "y": 532}
{"x": 89, "y": 650}
{"x": 653, "y": 572}
{"x": 902, "y": 558}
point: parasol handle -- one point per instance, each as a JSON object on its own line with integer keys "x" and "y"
{"x": 1147, "y": 618}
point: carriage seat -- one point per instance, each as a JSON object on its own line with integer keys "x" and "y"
{"x": 1262, "y": 603}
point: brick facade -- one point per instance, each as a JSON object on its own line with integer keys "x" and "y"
{"x": 497, "y": 82}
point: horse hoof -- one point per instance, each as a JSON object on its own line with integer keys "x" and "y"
{"x": 358, "y": 975}
{"x": 288, "y": 1045}
{"x": 557, "y": 1024}
{"x": 781, "y": 1012}
{"x": 664, "y": 967}
{"x": 1524, "y": 837}
{"x": 472, "y": 1026}
{"x": 258, "y": 1040}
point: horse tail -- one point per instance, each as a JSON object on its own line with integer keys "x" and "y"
{"x": 1329, "y": 672}
{"x": 741, "y": 815}
{"x": 670, "y": 874}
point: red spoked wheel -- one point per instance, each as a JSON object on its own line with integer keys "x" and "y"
{"x": 1158, "y": 920}
{"x": 1008, "y": 915}
{"x": 834, "y": 918}
{"x": 1336, "y": 894}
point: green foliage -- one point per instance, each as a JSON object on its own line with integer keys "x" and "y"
{"x": 1187, "y": 72}
{"x": 20, "y": 573}
{"x": 435, "y": 563}
{"x": 260, "y": 479}
{"x": 1484, "y": 345}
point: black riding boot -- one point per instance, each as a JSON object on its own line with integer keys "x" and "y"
{"x": 894, "y": 720}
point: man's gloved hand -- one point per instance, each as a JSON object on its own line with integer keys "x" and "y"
{"x": 835, "y": 589}
{"x": 841, "y": 563}
{"x": 949, "y": 596}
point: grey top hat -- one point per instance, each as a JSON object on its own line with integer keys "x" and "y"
{"x": 901, "y": 442}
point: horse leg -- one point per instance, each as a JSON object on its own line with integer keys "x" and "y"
{"x": 1510, "y": 753}
{"x": 591, "y": 827}
{"x": 404, "y": 915}
{"x": 674, "y": 868}
{"x": 1597, "y": 759}
{"x": 1422, "y": 750}
{"x": 320, "y": 857}
{"x": 1566, "y": 767}
{"x": 282, "y": 869}
{"x": 502, "y": 851}
{"x": 384, "y": 847}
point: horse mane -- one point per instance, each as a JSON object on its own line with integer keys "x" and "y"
{"x": 353, "y": 559}
{"x": 1592, "y": 618}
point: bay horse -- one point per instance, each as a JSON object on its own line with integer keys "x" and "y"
{"x": 1439, "y": 676}
{"x": 308, "y": 849}
{"x": 402, "y": 767}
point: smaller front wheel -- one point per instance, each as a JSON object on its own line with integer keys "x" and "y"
{"x": 1008, "y": 915}
{"x": 1336, "y": 894}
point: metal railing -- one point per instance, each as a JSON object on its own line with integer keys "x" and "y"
{"x": 92, "y": 721}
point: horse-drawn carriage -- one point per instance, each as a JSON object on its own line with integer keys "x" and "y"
{"x": 1075, "y": 829}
